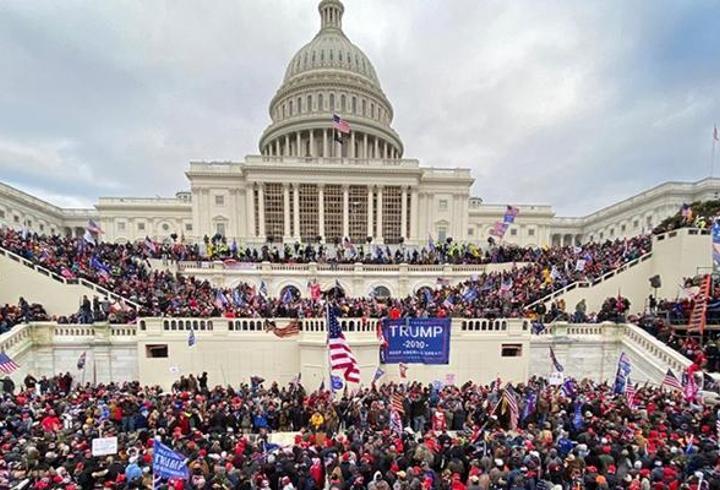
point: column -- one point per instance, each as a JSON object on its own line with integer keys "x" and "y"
{"x": 365, "y": 149}
{"x": 286, "y": 153}
{"x": 312, "y": 143}
{"x": 351, "y": 152}
{"x": 298, "y": 142}
{"x": 277, "y": 147}
{"x": 321, "y": 210}
{"x": 370, "y": 211}
{"x": 233, "y": 229}
{"x": 413, "y": 213}
{"x": 250, "y": 210}
{"x": 325, "y": 144}
{"x": 379, "y": 221}
{"x": 261, "y": 210}
{"x": 403, "y": 213}
{"x": 346, "y": 210}
{"x": 422, "y": 229}
{"x": 377, "y": 149}
{"x": 296, "y": 209}
{"x": 286, "y": 212}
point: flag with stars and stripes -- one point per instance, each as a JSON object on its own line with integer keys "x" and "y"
{"x": 510, "y": 399}
{"x": 672, "y": 381}
{"x": 7, "y": 365}
{"x": 341, "y": 355}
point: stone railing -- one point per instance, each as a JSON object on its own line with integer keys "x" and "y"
{"x": 594, "y": 282}
{"x": 655, "y": 351}
{"x": 48, "y": 333}
{"x": 355, "y": 326}
{"x": 17, "y": 340}
{"x": 77, "y": 281}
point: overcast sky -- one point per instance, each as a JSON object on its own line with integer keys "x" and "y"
{"x": 574, "y": 104}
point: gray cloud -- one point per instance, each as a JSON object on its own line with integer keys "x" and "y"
{"x": 573, "y": 104}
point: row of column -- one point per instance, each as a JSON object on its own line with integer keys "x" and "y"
{"x": 293, "y": 215}
{"x": 360, "y": 146}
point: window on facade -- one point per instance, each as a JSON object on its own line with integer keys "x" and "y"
{"x": 309, "y": 224}
{"x": 342, "y": 102}
{"x": 636, "y": 223}
{"x": 2, "y": 213}
{"x": 188, "y": 226}
{"x": 320, "y": 102}
{"x": 442, "y": 204}
{"x": 357, "y": 197}
{"x": 333, "y": 212}
{"x": 299, "y": 105}
{"x": 283, "y": 110}
{"x": 121, "y": 226}
{"x": 442, "y": 233}
{"x": 602, "y": 235}
{"x": 471, "y": 232}
{"x": 648, "y": 220}
{"x": 219, "y": 200}
{"x": 513, "y": 232}
{"x": 372, "y": 111}
{"x": 622, "y": 228}
{"x": 220, "y": 228}
{"x": 309, "y": 103}
{"x": 380, "y": 292}
{"x": 29, "y": 223}
{"x": 511, "y": 350}
{"x": 42, "y": 227}
{"x": 531, "y": 231}
{"x": 364, "y": 108}
{"x": 354, "y": 105}
{"x": 332, "y": 102}
{"x": 274, "y": 213}
{"x": 16, "y": 219}
{"x": 156, "y": 351}
{"x": 141, "y": 226}
{"x": 391, "y": 214}
{"x": 612, "y": 232}
{"x": 290, "y": 108}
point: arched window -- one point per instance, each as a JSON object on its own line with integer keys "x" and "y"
{"x": 380, "y": 292}
{"x": 335, "y": 292}
{"x": 372, "y": 110}
{"x": 289, "y": 293}
{"x": 364, "y": 107}
{"x": 290, "y": 107}
{"x": 299, "y": 105}
{"x": 354, "y": 105}
{"x": 342, "y": 102}
{"x": 332, "y": 102}
{"x": 425, "y": 294}
{"x": 309, "y": 103}
{"x": 320, "y": 102}
{"x": 283, "y": 110}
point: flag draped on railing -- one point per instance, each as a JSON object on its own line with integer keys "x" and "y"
{"x": 341, "y": 355}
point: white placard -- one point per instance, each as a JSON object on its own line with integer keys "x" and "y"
{"x": 104, "y": 446}
{"x": 555, "y": 378}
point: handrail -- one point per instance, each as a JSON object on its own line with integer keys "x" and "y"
{"x": 657, "y": 350}
{"x": 594, "y": 282}
{"x": 79, "y": 281}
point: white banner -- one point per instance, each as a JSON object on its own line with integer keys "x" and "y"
{"x": 104, "y": 446}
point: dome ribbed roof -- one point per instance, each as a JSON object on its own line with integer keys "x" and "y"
{"x": 330, "y": 49}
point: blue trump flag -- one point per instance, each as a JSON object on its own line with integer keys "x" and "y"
{"x": 417, "y": 341}
{"x": 169, "y": 464}
{"x": 716, "y": 244}
{"x": 623, "y": 371}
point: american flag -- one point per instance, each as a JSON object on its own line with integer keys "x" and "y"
{"x": 7, "y": 365}
{"x": 292, "y": 328}
{"x": 671, "y": 380}
{"x": 396, "y": 424}
{"x": 341, "y": 356}
{"x": 511, "y": 400}
{"x": 341, "y": 124}
{"x": 630, "y": 393}
{"x": 93, "y": 227}
{"x": 396, "y": 402}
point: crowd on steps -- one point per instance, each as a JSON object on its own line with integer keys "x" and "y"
{"x": 399, "y": 436}
{"x": 123, "y": 269}
{"x": 23, "y": 312}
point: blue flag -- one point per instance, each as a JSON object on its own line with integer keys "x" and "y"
{"x": 169, "y": 464}
{"x": 577, "y": 416}
{"x": 379, "y": 373}
{"x": 191, "y": 338}
{"x": 556, "y": 364}
{"x": 470, "y": 294}
{"x": 623, "y": 371}
{"x": 530, "y": 404}
{"x": 336, "y": 383}
{"x": 716, "y": 244}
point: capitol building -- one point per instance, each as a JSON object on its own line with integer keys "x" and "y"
{"x": 311, "y": 182}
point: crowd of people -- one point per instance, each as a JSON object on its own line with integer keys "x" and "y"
{"x": 123, "y": 269}
{"x": 11, "y": 315}
{"x": 700, "y": 214}
{"x": 442, "y": 438}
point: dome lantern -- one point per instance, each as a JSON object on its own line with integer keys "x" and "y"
{"x": 331, "y": 12}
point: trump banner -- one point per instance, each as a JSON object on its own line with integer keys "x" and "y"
{"x": 417, "y": 341}
{"x": 716, "y": 245}
{"x": 169, "y": 464}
